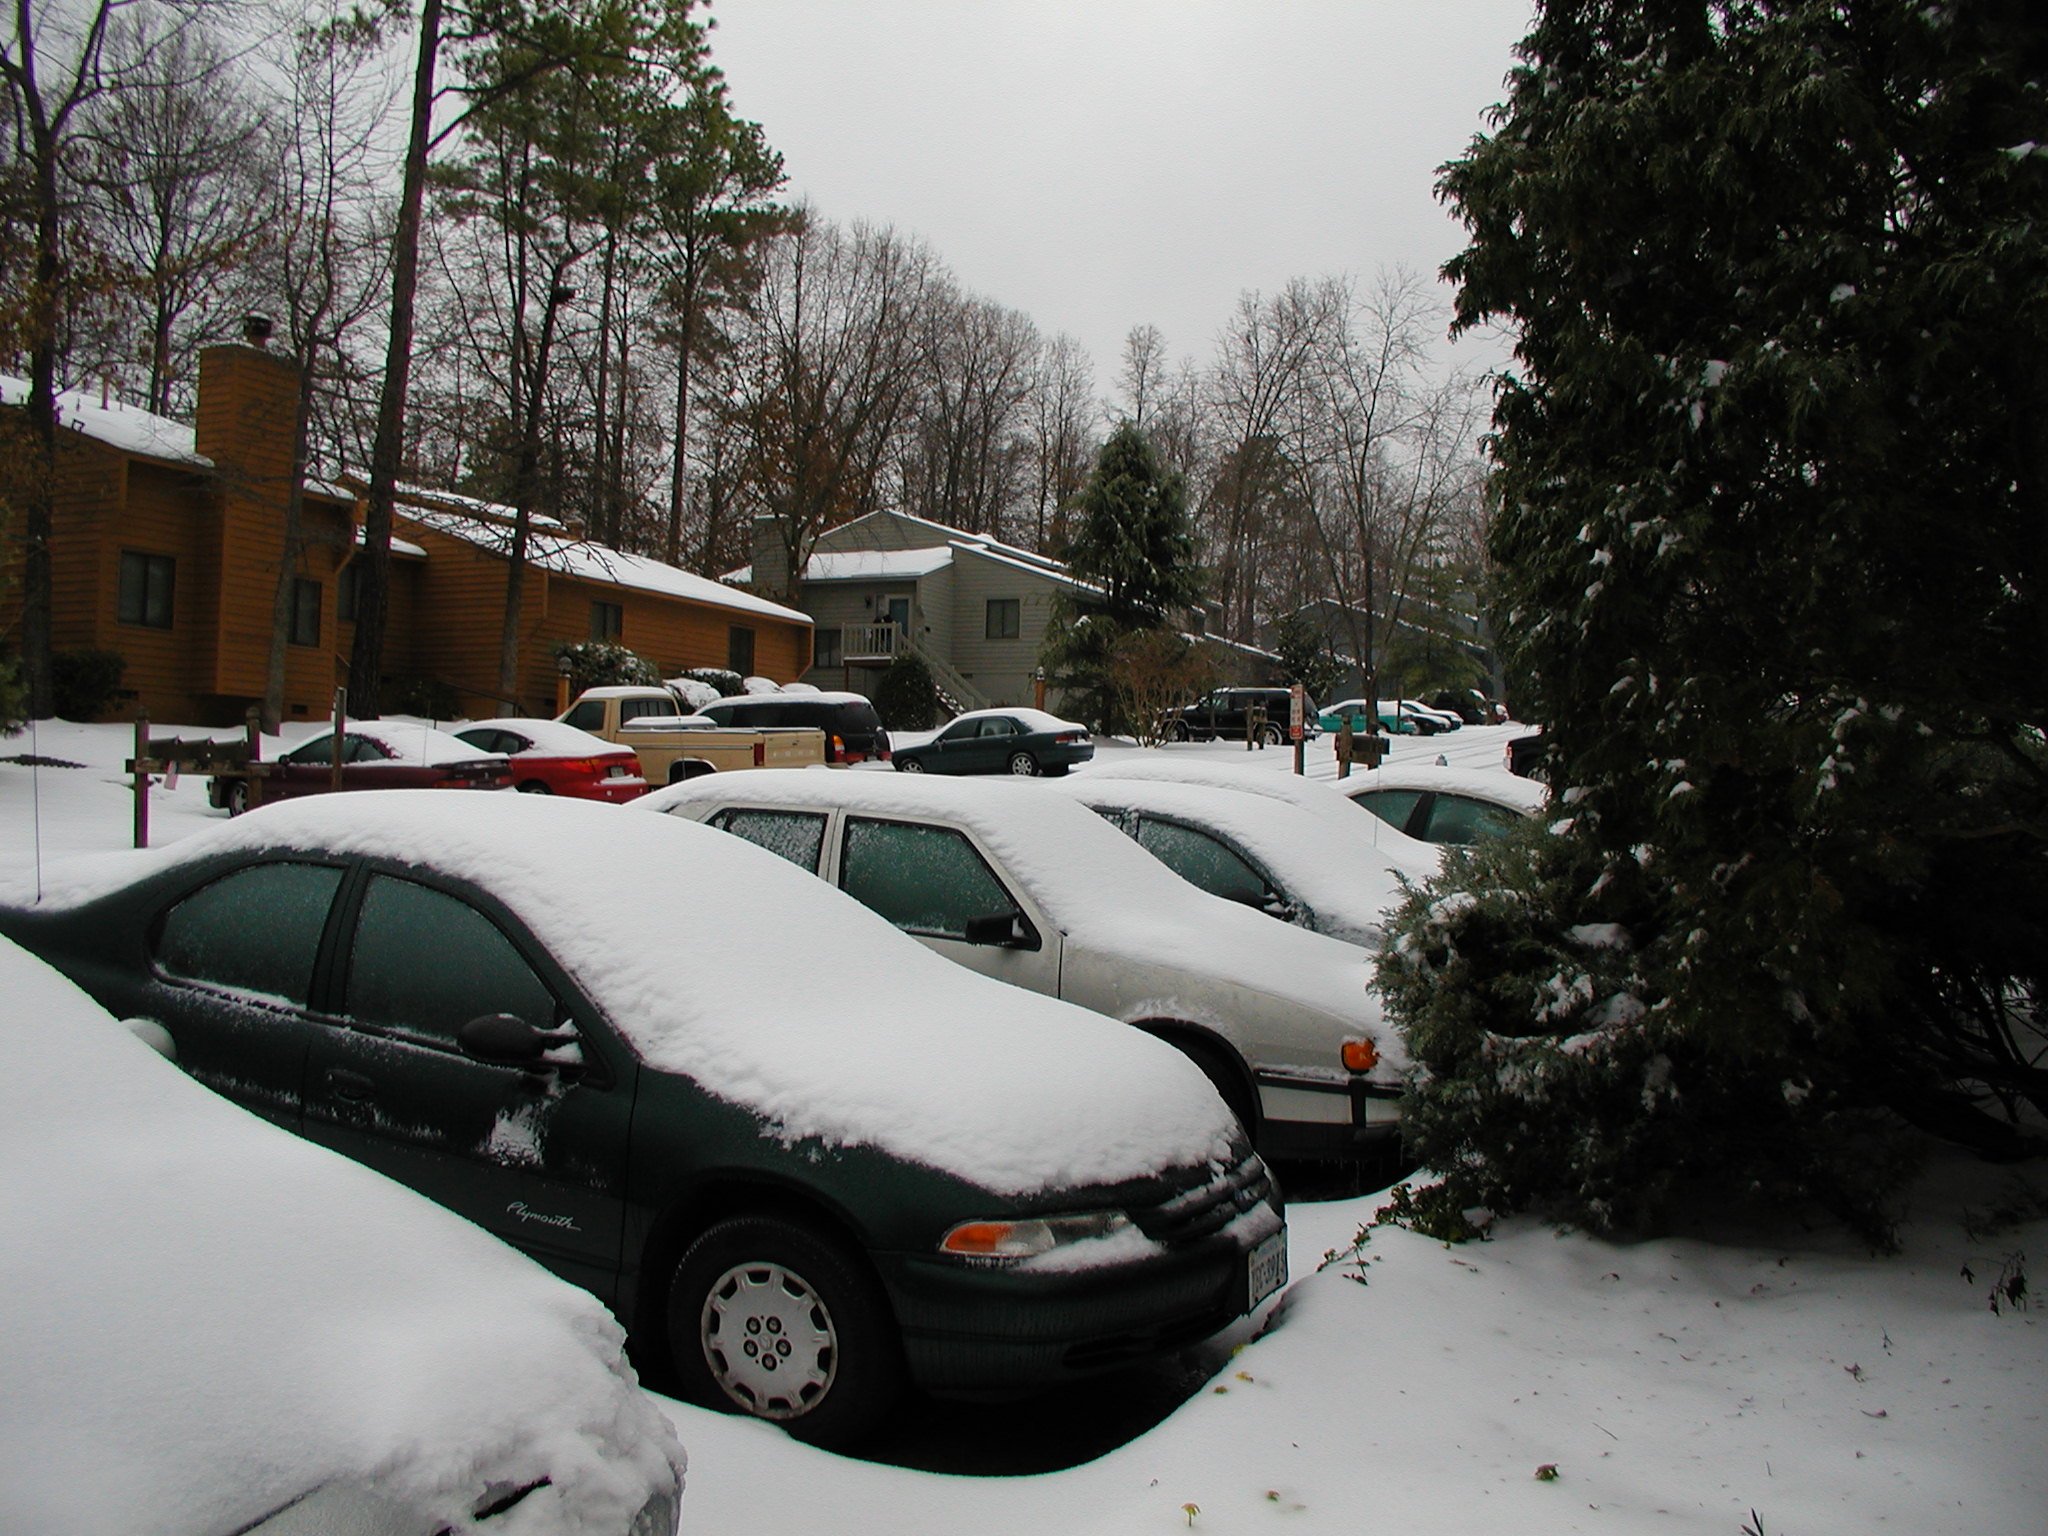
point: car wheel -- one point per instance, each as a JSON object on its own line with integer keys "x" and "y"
{"x": 238, "y": 796}
{"x": 771, "y": 1318}
{"x": 909, "y": 765}
{"x": 534, "y": 787}
{"x": 1178, "y": 731}
{"x": 1227, "y": 1075}
{"x": 1271, "y": 735}
{"x": 1024, "y": 765}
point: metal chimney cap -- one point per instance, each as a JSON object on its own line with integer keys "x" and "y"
{"x": 256, "y": 330}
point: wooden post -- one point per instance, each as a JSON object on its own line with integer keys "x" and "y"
{"x": 1297, "y": 727}
{"x": 334, "y": 755}
{"x": 142, "y": 778}
{"x": 1344, "y": 744}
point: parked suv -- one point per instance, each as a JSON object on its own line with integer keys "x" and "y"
{"x": 1228, "y": 713}
{"x": 853, "y": 731}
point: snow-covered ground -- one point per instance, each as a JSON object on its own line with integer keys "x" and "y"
{"x": 1779, "y": 1381}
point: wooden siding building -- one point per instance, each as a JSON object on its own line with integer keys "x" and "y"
{"x": 167, "y": 542}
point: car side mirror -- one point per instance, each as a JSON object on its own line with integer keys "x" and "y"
{"x": 505, "y": 1039}
{"x": 1005, "y": 930}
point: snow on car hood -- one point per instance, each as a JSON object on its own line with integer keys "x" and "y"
{"x": 207, "y": 1317}
{"x": 1103, "y": 891}
{"x": 1416, "y": 859}
{"x": 771, "y": 989}
{"x": 1348, "y": 889}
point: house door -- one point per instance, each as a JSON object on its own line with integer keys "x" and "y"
{"x": 897, "y": 612}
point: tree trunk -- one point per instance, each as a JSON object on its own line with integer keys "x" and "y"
{"x": 373, "y": 592}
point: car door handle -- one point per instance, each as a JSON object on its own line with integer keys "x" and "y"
{"x": 350, "y": 1085}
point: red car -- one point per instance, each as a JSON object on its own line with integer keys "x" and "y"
{"x": 375, "y": 754}
{"x": 550, "y": 758}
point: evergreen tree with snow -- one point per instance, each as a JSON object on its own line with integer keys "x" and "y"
{"x": 1773, "y": 532}
{"x": 1131, "y": 538}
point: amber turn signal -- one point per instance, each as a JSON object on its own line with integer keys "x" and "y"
{"x": 1361, "y": 1055}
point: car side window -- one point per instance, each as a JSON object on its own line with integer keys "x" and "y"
{"x": 799, "y": 836}
{"x": 426, "y": 963}
{"x": 1393, "y": 806}
{"x": 633, "y": 709}
{"x": 1461, "y": 819}
{"x": 960, "y": 730}
{"x": 319, "y": 750}
{"x": 923, "y": 879}
{"x": 256, "y": 930}
{"x": 587, "y": 716}
{"x": 999, "y": 727}
{"x": 1202, "y": 860}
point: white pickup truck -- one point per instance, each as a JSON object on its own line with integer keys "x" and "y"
{"x": 673, "y": 746}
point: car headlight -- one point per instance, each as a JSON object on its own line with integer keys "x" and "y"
{"x": 1029, "y": 1237}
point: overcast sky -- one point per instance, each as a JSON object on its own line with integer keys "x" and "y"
{"x": 1101, "y": 164}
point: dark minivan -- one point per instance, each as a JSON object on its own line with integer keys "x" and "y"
{"x": 853, "y": 731}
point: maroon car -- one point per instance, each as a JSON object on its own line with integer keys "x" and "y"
{"x": 375, "y": 754}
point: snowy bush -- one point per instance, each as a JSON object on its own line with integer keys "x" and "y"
{"x": 727, "y": 682}
{"x": 906, "y": 698}
{"x": 601, "y": 664}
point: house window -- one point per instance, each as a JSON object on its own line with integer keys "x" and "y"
{"x": 348, "y": 592}
{"x": 607, "y": 621}
{"x": 1001, "y": 623}
{"x": 146, "y": 587}
{"x": 826, "y": 648}
{"x": 739, "y": 650}
{"x": 305, "y": 611}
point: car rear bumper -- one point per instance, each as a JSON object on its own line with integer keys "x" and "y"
{"x": 1302, "y": 1118}
{"x": 610, "y": 791}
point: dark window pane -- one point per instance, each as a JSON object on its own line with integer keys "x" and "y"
{"x": 305, "y": 611}
{"x": 1458, "y": 819}
{"x": 607, "y": 621}
{"x": 146, "y": 589}
{"x": 427, "y": 963}
{"x": 1393, "y": 806}
{"x": 634, "y": 709}
{"x": 587, "y": 716}
{"x": 257, "y": 930}
{"x": 1201, "y": 859}
{"x": 319, "y": 750}
{"x": 924, "y": 879}
{"x": 1001, "y": 623}
{"x": 799, "y": 836}
{"x": 348, "y": 592}
{"x": 739, "y": 650}
{"x": 827, "y": 648}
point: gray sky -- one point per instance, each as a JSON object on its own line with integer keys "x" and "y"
{"x": 1100, "y": 164}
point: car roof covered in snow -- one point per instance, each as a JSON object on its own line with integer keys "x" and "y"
{"x": 1350, "y": 891}
{"x": 551, "y": 738}
{"x": 1490, "y": 784}
{"x": 822, "y": 1018}
{"x": 1412, "y": 857}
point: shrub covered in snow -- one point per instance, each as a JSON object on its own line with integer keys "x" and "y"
{"x": 601, "y": 664}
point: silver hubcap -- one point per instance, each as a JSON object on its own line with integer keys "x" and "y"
{"x": 1023, "y": 766}
{"x": 769, "y": 1340}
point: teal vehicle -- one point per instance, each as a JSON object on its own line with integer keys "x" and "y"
{"x": 1387, "y": 719}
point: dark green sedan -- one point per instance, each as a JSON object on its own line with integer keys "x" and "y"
{"x": 804, "y": 1160}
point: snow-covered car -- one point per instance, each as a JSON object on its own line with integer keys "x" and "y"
{"x": 212, "y": 1326}
{"x": 1271, "y": 856}
{"x": 1437, "y": 804}
{"x": 1026, "y": 742}
{"x": 375, "y": 754}
{"x": 1033, "y": 888}
{"x": 550, "y": 758}
{"x": 797, "y": 1184}
{"x": 1381, "y": 847}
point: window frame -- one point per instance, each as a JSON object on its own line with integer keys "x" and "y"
{"x": 847, "y": 823}
{"x": 146, "y": 595}
{"x": 1003, "y": 619}
{"x": 607, "y": 621}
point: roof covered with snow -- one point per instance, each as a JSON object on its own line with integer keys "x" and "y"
{"x": 822, "y": 1017}
{"x": 551, "y": 549}
{"x": 1495, "y": 785}
{"x": 118, "y": 426}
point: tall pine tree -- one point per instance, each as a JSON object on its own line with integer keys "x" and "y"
{"x": 1773, "y": 474}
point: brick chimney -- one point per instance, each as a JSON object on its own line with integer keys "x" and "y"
{"x": 771, "y": 562}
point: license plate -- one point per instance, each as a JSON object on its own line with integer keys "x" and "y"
{"x": 1268, "y": 1268}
